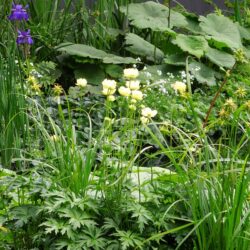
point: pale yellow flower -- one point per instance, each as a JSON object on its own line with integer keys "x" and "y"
{"x": 109, "y": 84}
{"x": 108, "y": 91}
{"x": 131, "y": 73}
{"x": 148, "y": 112}
{"x": 57, "y": 89}
{"x": 230, "y": 104}
{"x": 81, "y": 82}
{"x": 180, "y": 87}
{"x": 124, "y": 91}
{"x": 132, "y": 107}
{"x": 133, "y": 85}
{"x": 144, "y": 120}
{"x": 111, "y": 98}
{"x": 137, "y": 95}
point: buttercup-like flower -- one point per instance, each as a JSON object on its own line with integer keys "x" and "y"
{"x": 111, "y": 98}
{"x": 124, "y": 91}
{"x": 131, "y": 73}
{"x": 148, "y": 112}
{"x": 137, "y": 95}
{"x": 144, "y": 119}
{"x": 132, "y": 107}
{"x": 179, "y": 86}
{"x": 81, "y": 82}
{"x": 133, "y": 85}
{"x": 24, "y": 37}
{"x": 18, "y": 13}
{"x": 109, "y": 84}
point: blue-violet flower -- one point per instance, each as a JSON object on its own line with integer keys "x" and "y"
{"x": 24, "y": 37}
{"x": 18, "y": 13}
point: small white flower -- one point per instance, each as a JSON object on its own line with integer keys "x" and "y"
{"x": 159, "y": 72}
{"x": 137, "y": 95}
{"x": 147, "y": 74}
{"x": 138, "y": 59}
{"x": 81, "y": 82}
{"x": 130, "y": 73}
{"x": 133, "y": 85}
{"x": 124, "y": 91}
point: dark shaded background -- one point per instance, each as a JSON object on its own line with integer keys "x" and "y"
{"x": 197, "y": 6}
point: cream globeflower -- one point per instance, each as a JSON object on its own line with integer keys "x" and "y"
{"x": 109, "y": 87}
{"x": 132, "y": 107}
{"x": 109, "y": 84}
{"x": 108, "y": 91}
{"x": 81, "y": 82}
{"x": 124, "y": 91}
{"x": 148, "y": 112}
{"x": 111, "y": 98}
{"x": 137, "y": 95}
{"x": 181, "y": 87}
{"x": 131, "y": 73}
{"x": 144, "y": 119}
{"x": 133, "y": 85}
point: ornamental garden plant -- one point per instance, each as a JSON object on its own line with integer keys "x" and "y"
{"x": 124, "y": 126}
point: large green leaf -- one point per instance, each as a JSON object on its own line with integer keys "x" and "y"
{"x": 222, "y": 30}
{"x": 113, "y": 59}
{"x": 141, "y": 47}
{"x": 202, "y": 73}
{"x": 154, "y": 16}
{"x": 176, "y": 59}
{"x": 85, "y": 51}
{"x": 220, "y": 58}
{"x": 82, "y": 50}
{"x": 194, "y": 45}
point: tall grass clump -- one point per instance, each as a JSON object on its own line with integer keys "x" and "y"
{"x": 12, "y": 118}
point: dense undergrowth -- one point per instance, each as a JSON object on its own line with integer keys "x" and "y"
{"x": 124, "y": 127}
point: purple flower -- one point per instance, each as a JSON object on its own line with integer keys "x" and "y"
{"x": 24, "y": 37}
{"x": 18, "y": 13}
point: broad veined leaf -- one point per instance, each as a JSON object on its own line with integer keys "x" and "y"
{"x": 221, "y": 29}
{"x": 244, "y": 32}
{"x": 176, "y": 59}
{"x": 220, "y": 58}
{"x": 247, "y": 52}
{"x": 154, "y": 16}
{"x": 141, "y": 47}
{"x": 113, "y": 59}
{"x": 85, "y": 51}
{"x": 82, "y": 50}
{"x": 194, "y": 45}
{"x": 202, "y": 73}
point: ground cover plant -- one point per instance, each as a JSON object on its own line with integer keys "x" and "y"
{"x": 124, "y": 126}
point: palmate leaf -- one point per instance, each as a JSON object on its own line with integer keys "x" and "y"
{"x": 142, "y": 215}
{"x": 76, "y": 217}
{"x": 154, "y": 16}
{"x": 139, "y": 46}
{"x": 53, "y": 225}
{"x": 194, "y": 45}
{"x": 222, "y": 30}
{"x": 23, "y": 214}
{"x": 220, "y": 58}
{"x": 129, "y": 240}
